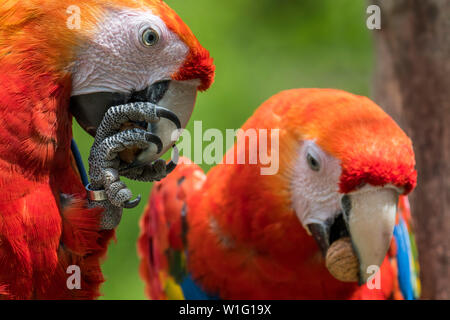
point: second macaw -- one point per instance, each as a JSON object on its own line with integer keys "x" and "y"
{"x": 345, "y": 168}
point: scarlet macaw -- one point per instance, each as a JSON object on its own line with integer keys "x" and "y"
{"x": 236, "y": 234}
{"x": 59, "y": 58}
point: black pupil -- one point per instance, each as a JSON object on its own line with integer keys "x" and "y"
{"x": 150, "y": 37}
{"x": 313, "y": 162}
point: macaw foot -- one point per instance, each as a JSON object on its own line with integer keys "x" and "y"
{"x": 155, "y": 171}
{"x": 106, "y": 190}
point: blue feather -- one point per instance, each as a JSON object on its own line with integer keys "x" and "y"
{"x": 192, "y": 291}
{"x": 406, "y": 277}
{"x": 79, "y": 161}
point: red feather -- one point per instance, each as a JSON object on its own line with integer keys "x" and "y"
{"x": 39, "y": 235}
{"x": 245, "y": 241}
{"x": 162, "y": 234}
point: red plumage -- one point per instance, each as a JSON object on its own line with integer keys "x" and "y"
{"x": 163, "y": 230}
{"x": 222, "y": 271}
{"x": 244, "y": 239}
{"x": 41, "y": 233}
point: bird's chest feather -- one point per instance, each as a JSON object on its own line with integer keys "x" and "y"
{"x": 30, "y": 229}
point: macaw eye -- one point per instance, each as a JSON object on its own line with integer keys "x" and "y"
{"x": 150, "y": 37}
{"x": 313, "y": 163}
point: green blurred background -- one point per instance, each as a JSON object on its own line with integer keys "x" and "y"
{"x": 260, "y": 47}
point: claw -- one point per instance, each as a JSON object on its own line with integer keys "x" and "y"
{"x": 173, "y": 163}
{"x": 155, "y": 140}
{"x": 166, "y": 113}
{"x": 132, "y": 203}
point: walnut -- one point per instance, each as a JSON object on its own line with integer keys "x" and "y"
{"x": 341, "y": 261}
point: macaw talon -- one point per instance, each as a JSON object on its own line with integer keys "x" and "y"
{"x": 166, "y": 113}
{"x": 155, "y": 171}
{"x": 103, "y": 195}
{"x": 174, "y": 162}
{"x": 131, "y": 204}
{"x": 104, "y": 164}
{"x": 150, "y": 137}
{"x": 117, "y": 116}
{"x": 142, "y": 159}
{"x": 133, "y": 138}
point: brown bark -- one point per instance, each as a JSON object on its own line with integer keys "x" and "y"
{"x": 412, "y": 83}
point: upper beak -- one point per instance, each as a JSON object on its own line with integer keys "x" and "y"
{"x": 180, "y": 98}
{"x": 177, "y": 97}
{"x": 369, "y": 219}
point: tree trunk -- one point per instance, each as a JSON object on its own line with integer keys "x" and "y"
{"x": 412, "y": 83}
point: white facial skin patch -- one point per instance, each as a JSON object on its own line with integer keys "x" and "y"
{"x": 117, "y": 60}
{"x": 315, "y": 194}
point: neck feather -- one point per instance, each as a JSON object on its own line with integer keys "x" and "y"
{"x": 35, "y": 128}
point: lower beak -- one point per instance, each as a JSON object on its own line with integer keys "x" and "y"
{"x": 89, "y": 109}
{"x": 178, "y": 97}
{"x": 370, "y": 219}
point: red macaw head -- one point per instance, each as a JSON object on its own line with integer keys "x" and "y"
{"x": 138, "y": 51}
{"x": 345, "y": 162}
{"x": 115, "y": 52}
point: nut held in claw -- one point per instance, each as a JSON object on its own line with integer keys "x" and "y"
{"x": 342, "y": 262}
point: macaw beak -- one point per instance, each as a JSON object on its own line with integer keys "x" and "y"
{"x": 368, "y": 218}
{"x": 89, "y": 109}
{"x": 177, "y": 99}
{"x": 180, "y": 98}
